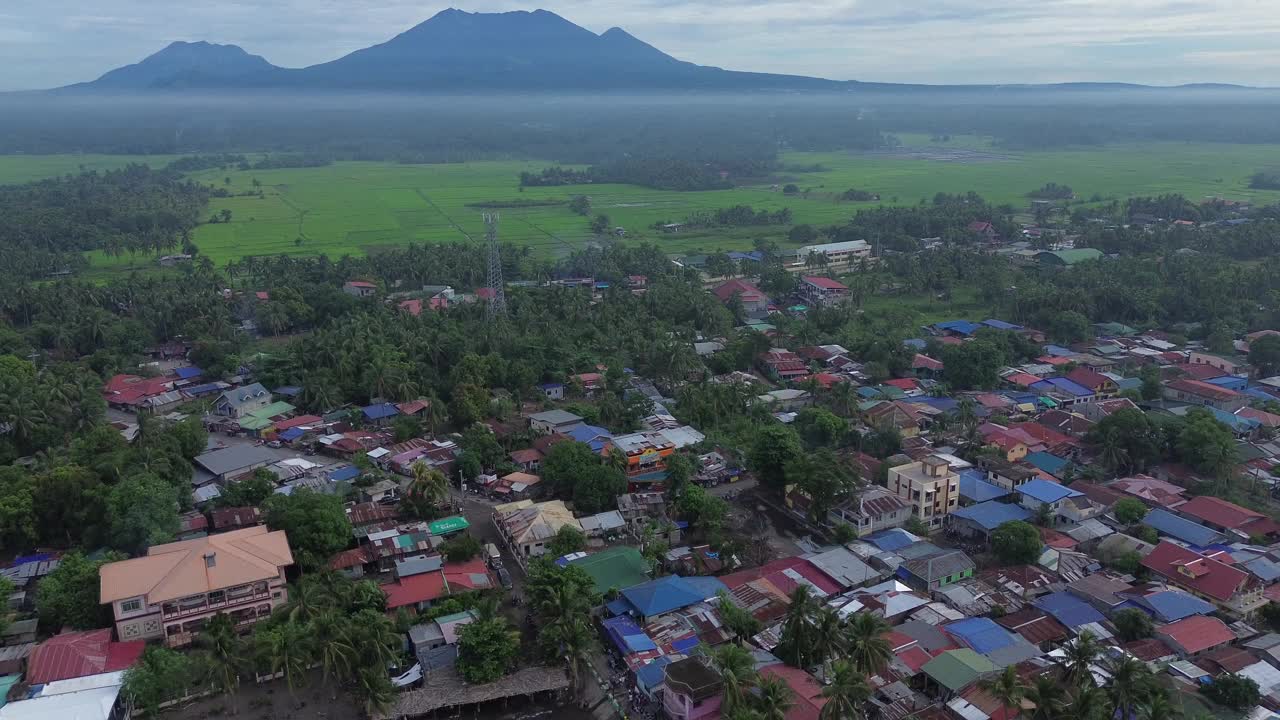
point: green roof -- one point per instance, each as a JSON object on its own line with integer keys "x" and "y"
{"x": 618, "y": 567}
{"x": 448, "y": 525}
{"x": 1069, "y": 257}
{"x": 956, "y": 669}
{"x": 6, "y": 683}
{"x": 261, "y": 417}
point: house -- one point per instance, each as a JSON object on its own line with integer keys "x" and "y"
{"x": 1065, "y": 389}
{"x": 1005, "y": 474}
{"x": 954, "y": 670}
{"x": 873, "y": 509}
{"x": 239, "y": 402}
{"x": 1230, "y": 588}
{"x": 692, "y": 690}
{"x": 935, "y": 571}
{"x": 359, "y": 288}
{"x": 1104, "y": 592}
{"x": 666, "y": 594}
{"x": 753, "y": 300}
{"x": 73, "y": 655}
{"x": 1226, "y": 366}
{"x": 1069, "y": 610}
{"x": 173, "y": 590}
{"x": 931, "y": 486}
{"x": 380, "y": 413}
{"x": 1228, "y": 517}
{"x": 786, "y": 399}
{"x": 553, "y": 421}
{"x": 1197, "y": 392}
{"x": 1036, "y": 627}
{"x": 232, "y": 462}
{"x": 528, "y": 459}
{"x": 821, "y": 291}
{"x": 235, "y": 518}
{"x": 527, "y": 527}
{"x": 1196, "y": 635}
{"x": 1181, "y": 529}
{"x": 807, "y": 700}
{"x": 1042, "y": 496}
{"x": 435, "y": 644}
{"x": 1152, "y": 492}
{"x": 982, "y": 519}
{"x": 783, "y": 364}
{"x": 552, "y": 391}
{"x": 983, "y": 229}
{"x": 1099, "y": 384}
{"x": 1168, "y": 606}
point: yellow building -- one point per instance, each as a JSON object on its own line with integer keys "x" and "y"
{"x": 930, "y": 486}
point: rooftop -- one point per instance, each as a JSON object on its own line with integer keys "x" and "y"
{"x": 1195, "y": 571}
{"x": 79, "y": 654}
{"x": 1197, "y": 633}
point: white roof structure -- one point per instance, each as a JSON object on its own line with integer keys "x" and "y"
{"x": 95, "y": 703}
{"x": 847, "y": 246}
{"x": 966, "y": 710}
{"x": 682, "y": 437}
{"x": 376, "y": 453}
{"x": 844, "y": 567}
{"x": 1267, "y": 676}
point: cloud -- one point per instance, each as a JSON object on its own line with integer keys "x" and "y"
{"x": 55, "y": 42}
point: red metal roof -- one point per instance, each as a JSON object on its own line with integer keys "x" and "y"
{"x": 415, "y": 589}
{"x": 1218, "y": 512}
{"x": 1021, "y": 379}
{"x": 77, "y": 654}
{"x": 1194, "y": 571}
{"x": 1088, "y": 378}
{"x": 1203, "y": 389}
{"x": 470, "y": 575}
{"x": 1149, "y": 649}
{"x": 1034, "y": 625}
{"x": 924, "y": 362}
{"x": 298, "y": 422}
{"x": 744, "y": 289}
{"x": 1197, "y": 633}
{"x": 349, "y": 559}
{"x": 1201, "y": 372}
{"x": 807, "y": 700}
{"x": 825, "y": 283}
{"x": 413, "y": 307}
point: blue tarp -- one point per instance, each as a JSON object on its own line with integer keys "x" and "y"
{"x": 890, "y": 540}
{"x": 291, "y": 434}
{"x": 977, "y": 490}
{"x": 380, "y": 412}
{"x": 1180, "y": 528}
{"x": 186, "y": 373}
{"x": 653, "y": 674}
{"x": 1058, "y": 351}
{"x": 981, "y": 634}
{"x": 1045, "y": 491}
{"x": 342, "y": 474}
{"x": 1069, "y": 609}
{"x": 666, "y": 594}
{"x": 684, "y": 645}
{"x": 963, "y": 327}
{"x": 619, "y": 628}
{"x": 1047, "y": 462}
{"x": 638, "y": 643}
{"x": 992, "y": 514}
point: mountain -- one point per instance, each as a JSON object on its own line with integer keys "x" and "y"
{"x": 453, "y": 51}
{"x": 183, "y": 64}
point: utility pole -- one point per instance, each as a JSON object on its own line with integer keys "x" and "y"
{"x": 498, "y": 300}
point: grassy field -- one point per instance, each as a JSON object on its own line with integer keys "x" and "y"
{"x": 355, "y": 207}
{"x": 25, "y": 168}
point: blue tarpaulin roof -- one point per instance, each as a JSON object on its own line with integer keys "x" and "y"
{"x": 1174, "y": 605}
{"x": 638, "y": 643}
{"x": 964, "y": 327}
{"x": 1045, "y": 491}
{"x": 975, "y": 489}
{"x": 685, "y": 644}
{"x": 292, "y": 434}
{"x": 1069, "y": 609}
{"x": 1047, "y": 462}
{"x": 1180, "y": 528}
{"x": 890, "y": 540}
{"x": 350, "y": 472}
{"x": 669, "y": 593}
{"x": 991, "y": 515}
{"x": 380, "y": 412}
{"x": 186, "y": 373}
{"x": 981, "y": 634}
{"x": 654, "y": 673}
{"x": 619, "y": 629}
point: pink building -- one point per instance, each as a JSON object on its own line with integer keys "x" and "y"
{"x": 692, "y": 690}
{"x": 174, "y": 589}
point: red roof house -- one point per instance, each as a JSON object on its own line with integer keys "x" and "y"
{"x": 806, "y": 693}
{"x": 415, "y": 589}
{"x": 749, "y": 294}
{"x": 1097, "y": 382}
{"x": 1196, "y": 634}
{"x": 1222, "y": 515}
{"x": 1199, "y": 574}
{"x": 78, "y": 654}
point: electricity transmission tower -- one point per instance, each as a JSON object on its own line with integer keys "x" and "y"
{"x": 498, "y": 301}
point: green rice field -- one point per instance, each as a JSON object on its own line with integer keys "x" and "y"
{"x": 358, "y": 207}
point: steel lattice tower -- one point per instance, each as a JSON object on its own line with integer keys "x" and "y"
{"x": 498, "y": 301}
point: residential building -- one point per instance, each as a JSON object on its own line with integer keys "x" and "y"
{"x": 822, "y": 291}
{"x": 807, "y": 700}
{"x": 1152, "y": 492}
{"x": 527, "y": 527}
{"x": 1197, "y": 392}
{"x": 787, "y": 399}
{"x": 1227, "y": 366}
{"x": 783, "y": 364}
{"x": 239, "y": 402}
{"x": 359, "y": 288}
{"x": 980, "y": 520}
{"x": 935, "y": 571}
{"x": 873, "y": 509}
{"x": 72, "y": 655}
{"x": 435, "y": 644}
{"x": 1230, "y": 588}
{"x": 230, "y": 463}
{"x": 1041, "y": 496}
{"x": 692, "y": 690}
{"x": 1228, "y": 517}
{"x": 1195, "y": 635}
{"x": 646, "y": 452}
{"x": 173, "y": 590}
{"x": 840, "y": 253}
{"x": 753, "y": 300}
{"x": 1005, "y": 474}
{"x": 931, "y": 486}
{"x": 553, "y": 421}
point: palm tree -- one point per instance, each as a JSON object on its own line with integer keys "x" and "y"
{"x": 846, "y": 695}
{"x": 223, "y": 652}
{"x": 794, "y": 649}
{"x": 827, "y": 640}
{"x": 375, "y": 688}
{"x": 307, "y": 599}
{"x": 331, "y": 632}
{"x": 285, "y": 649}
{"x": 1006, "y": 688}
{"x": 1049, "y": 698}
{"x": 868, "y": 648}
{"x": 377, "y": 643}
{"x": 1079, "y": 656}
{"x": 1089, "y": 703}
{"x": 1158, "y": 707}
{"x": 1128, "y": 687}
{"x": 737, "y": 674}
{"x": 775, "y": 698}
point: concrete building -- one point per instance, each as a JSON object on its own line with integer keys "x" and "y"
{"x": 931, "y": 486}
{"x": 528, "y": 527}
{"x": 872, "y": 510}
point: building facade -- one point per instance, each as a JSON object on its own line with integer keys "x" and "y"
{"x": 930, "y": 486}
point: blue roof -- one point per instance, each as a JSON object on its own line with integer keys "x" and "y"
{"x": 707, "y": 587}
{"x": 1174, "y": 605}
{"x": 291, "y": 434}
{"x": 186, "y": 373}
{"x": 754, "y": 255}
{"x": 892, "y": 539}
{"x": 288, "y": 390}
{"x": 991, "y": 514}
{"x": 916, "y": 343}
{"x": 1047, "y": 462}
{"x": 652, "y": 674}
{"x": 594, "y": 436}
{"x": 1235, "y": 422}
{"x": 1129, "y": 383}
{"x": 1058, "y": 351}
{"x": 638, "y": 643}
{"x": 551, "y": 386}
{"x": 1180, "y": 528}
{"x": 869, "y": 392}
{"x": 1259, "y": 393}
{"x": 974, "y": 488}
{"x": 380, "y": 412}
{"x": 1001, "y": 325}
{"x": 666, "y": 594}
{"x": 981, "y": 634}
{"x": 1264, "y": 568}
{"x": 1045, "y": 491}
{"x": 1061, "y": 384}
{"x": 1069, "y": 609}
{"x": 206, "y": 389}
{"x": 945, "y": 404}
{"x": 620, "y": 628}
{"x": 350, "y": 472}
{"x": 684, "y": 645}
{"x": 1230, "y": 382}
{"x": 964, "y": 327}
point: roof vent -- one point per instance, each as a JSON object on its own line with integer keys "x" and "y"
{"x": 210, "y": 559}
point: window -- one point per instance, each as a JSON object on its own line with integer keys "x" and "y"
{"x": 132, "y": 605}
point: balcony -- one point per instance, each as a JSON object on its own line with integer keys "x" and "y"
{"x": 176, "y": 610}
{"x": 178, "y": 640}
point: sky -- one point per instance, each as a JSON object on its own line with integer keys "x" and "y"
{"x": 1161, "y": 42}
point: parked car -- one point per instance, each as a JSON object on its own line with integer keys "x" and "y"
{"x": 504, "y": 577}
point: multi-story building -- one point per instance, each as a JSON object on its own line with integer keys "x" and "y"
{"x": 691, "y": 690}
{"x": 871, "y": 510}
{"x": 173, "y": 590}
{"x": 822, "y": 291}
{"x": 930, "y": 486}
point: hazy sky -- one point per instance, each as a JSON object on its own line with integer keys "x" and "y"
{"x": 55, "y": 42}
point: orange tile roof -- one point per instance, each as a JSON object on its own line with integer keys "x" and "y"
{"x": 177, "y": 570}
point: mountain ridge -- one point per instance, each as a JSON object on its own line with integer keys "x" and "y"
{"x": 460, "y": 51}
